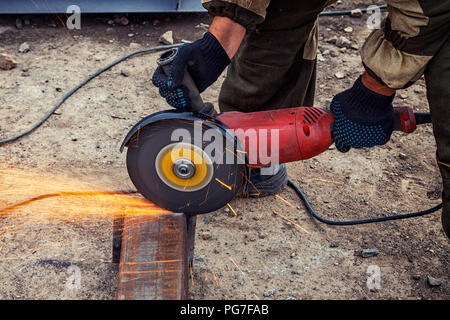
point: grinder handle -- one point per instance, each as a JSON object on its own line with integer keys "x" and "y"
{"x": 406, "y": 120}
{"x": 164, "y": 61}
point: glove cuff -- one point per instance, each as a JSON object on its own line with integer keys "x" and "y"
{"x": 365, "y": 106}
{"x": 214, "y": 54}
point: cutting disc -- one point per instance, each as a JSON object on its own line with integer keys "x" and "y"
{"x": 182, "y": 170}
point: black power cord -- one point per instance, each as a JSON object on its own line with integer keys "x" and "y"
{"x": 80, "y": 85}
{"x": 310, "y": 209}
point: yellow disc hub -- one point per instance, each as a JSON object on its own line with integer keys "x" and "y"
{"x": 173, "y": 156}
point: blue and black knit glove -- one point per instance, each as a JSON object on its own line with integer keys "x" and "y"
{"x": 205, "y": 60}
{"x": 363, "y": 118}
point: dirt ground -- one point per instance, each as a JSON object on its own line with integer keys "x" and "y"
{"x": 236, "y": 257}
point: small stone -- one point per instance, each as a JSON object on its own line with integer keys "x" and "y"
{"x": 348, "y": 29}
{"x": 6, "y": 62}
{"x": 403, "y": 95}
{"x": 320, "y": 57}
{"x": 333, "y": 53}
{"x": 433, "y": 282}
{"x": 293, "y": 255}
{"x": 166, "y": 38}
{"x": 269, "y": 293}
{"x": 326, "y": 201}
{"x": 122, "y": 20}
{"x": 19, "y": 23}
{"x": 332, "y": 40}
{"x": 25, "y": 74}
{"x": 130, "y": 35}
{"x": 343, "y": 42}
{"x": 124, "y": 73}
{"x": 339, "y": 75}
{"x": 203, "y": 26}
{"x": 327, "y": 103}
{"x": 24, "y": 47}
{"x": 367, "y": 253}
{"x": 418, "y": 90}
{"x": 4, "y": 30}
{"x": 402, "y": 156}
{"x": 356, "y": 13}
{"x": 326, "y": 52}
{"x": 334, "y": 244}
{"x": 354, "y": 47}
{"x": 135, "y": 45}
{"x": 206, "y": 236}
{"x": 110, "y": 22}
{"x": 227, "y": 210}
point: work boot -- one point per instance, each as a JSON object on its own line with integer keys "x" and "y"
{"x": 266, "y": 181}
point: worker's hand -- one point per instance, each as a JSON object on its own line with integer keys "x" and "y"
{"x": 205, "y": 60}
{"x": 363, "y": 117}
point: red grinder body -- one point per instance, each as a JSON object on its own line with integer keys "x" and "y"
{"x": 294, "y": 133}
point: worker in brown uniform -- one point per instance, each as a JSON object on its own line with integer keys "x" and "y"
{"x": 270, "y": 48}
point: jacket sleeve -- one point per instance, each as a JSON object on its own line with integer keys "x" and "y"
{"x": 413, "y": 32}
{"x": 247, "y": 13}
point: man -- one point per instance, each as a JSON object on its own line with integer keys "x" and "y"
{"x": 270, "y": 47}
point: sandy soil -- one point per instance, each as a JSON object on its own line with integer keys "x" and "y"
{"x": 239, "y": 257}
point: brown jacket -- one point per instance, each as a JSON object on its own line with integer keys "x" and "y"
{"x": 396, "y": 54}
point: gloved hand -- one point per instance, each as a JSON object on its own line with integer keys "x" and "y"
{"x": 363, "y": 117}
{"x": 205, "y": 60}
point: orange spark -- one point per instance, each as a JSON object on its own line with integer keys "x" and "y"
{"x": 149, "y": 271}
{"x": 284, "y": 200}
{"x": 225, "y": 185}
{"x": 236, "y": 265}
{"x": 292, "y": 222}
{"x": 231, "y": 208}
{"x": 329, "y": 181}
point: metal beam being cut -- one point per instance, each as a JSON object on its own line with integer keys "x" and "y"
{"x": 156, "y": 255}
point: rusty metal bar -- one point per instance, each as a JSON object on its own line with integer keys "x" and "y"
{"x": 156, "y": 253}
